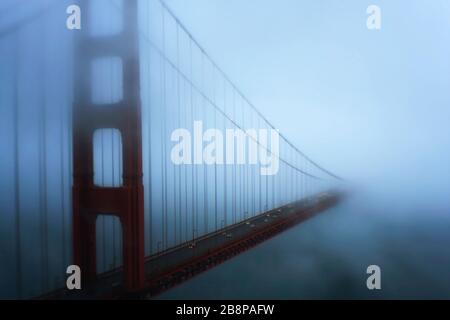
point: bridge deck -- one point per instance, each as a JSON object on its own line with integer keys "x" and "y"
{"x": 176, "y": 265}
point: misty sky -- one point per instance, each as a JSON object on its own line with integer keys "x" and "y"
{"x": 373, "y": 106}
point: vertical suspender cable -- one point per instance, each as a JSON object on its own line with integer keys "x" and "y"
{"x": 149, "y": 128}
{"x": 165, "y": 115}
{"x": 205, "y": 169}
{"x": 62, "y": 186}
{"x": 161, "y": 123}
{"x": 102, "y": 150}
{"x": 193, "y": 170}
{"x": 225, "y": 181}
{"x": 43, "y": 205}
{"x": 234, "y": 166}
{"x": 17, "y": 198}
{"x": 179, "y": 124}
{"x": 266, "y": 207}
{"x": 215, "y": 162}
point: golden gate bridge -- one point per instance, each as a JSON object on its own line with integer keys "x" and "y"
{"x": 87, "y": 179}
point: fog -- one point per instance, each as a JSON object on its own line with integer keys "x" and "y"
{"x": 372, "y": 106}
